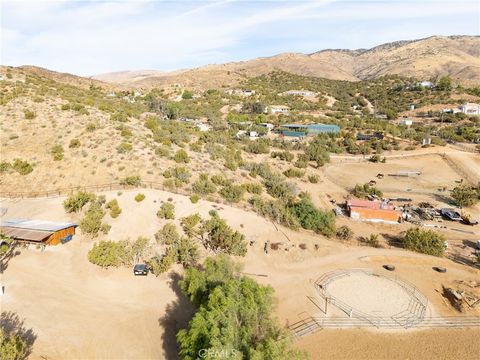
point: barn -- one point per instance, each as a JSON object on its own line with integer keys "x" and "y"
{"x": 38, "y": 231}
{"x": 374, "y": 211}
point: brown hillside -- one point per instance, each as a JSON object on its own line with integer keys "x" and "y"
{"x": 458, "y": 56}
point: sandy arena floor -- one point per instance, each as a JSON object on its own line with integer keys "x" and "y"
{"x": 370, "y": 294}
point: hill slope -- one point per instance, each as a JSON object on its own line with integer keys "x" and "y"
{"x": 458, "y": 56}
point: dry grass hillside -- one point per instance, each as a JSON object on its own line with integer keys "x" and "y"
{"x": 457, "y": 56}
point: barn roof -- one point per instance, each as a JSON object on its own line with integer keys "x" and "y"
{"x": 40, "y": 225}
{"x": 25, "y": 234}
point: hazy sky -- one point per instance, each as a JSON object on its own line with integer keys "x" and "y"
{"x": 92, "y": 37}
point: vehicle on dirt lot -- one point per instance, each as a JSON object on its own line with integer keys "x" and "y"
{"x": 140, "y": 269}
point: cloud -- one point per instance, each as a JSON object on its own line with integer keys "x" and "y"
{"x": 90, "y": 37}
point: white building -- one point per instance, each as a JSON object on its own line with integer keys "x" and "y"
{"x": 299, "y": 93}
{"x": 406, "y": 122}
{"x": 470, "y": 109}
{"x": 278, "y": 109}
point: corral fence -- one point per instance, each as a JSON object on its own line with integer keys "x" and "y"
{"x": 113, "y": 186}
{"x": 407, "y": 318}
{"x": 313, "y": 324}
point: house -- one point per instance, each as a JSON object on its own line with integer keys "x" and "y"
{"x": 406, "y": 122}
{"x": 38, "y": 231}
{"x": 470, "y": 109}
{"x": 267, "y": 125}
{"x": 278, "y": 109}
{"x": 373, "y": 211}
{"x": 239, "y": 92}
{"x": 301, "y": 130}
{"x": 299, "y": 93}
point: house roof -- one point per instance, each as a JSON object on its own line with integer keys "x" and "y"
{"x": 374, "y": 214}
{"x": 369, "y": 204}
{"x": 40, "y": 225}
{"x": 25, "y": 234}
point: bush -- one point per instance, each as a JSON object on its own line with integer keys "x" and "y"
{"x": 194, "y": 198}
{"x": 220, "y": 180}
{"x": 131, "y": 181}
{"x": 123, "y": 253}
{"x": 114, "y": 208}
{"x": 124, "y": 147}
{"x": 344, "y": 233}
{"x": 222, "y": 238}
{"x": 204, "y": 186}
{"x": 189, "y": 224}
{"x": 74, "y": 143}
{"x": 22, "y": 167}
{"x": 259, "y": 146}
{"x": 364, "y": 191}
{"x": 282, "y": 155}
{"x": 466, "y": 195}
{"x": 181, "y": 156}
{"x": 57, "y": 152}
{"x": 232, "y": 193}
{"x": 253, "y": 188}
{"x": 29, "y": 115}
{"x": 75, "y": 202}
{"x": 139, "y": 197}
{"x": 167, "y": 211}
{"x": 293, "y": 173}
{"x": 167, "y": 235}
{"x": 275, "y": 210}
{"x": 311, "y": 218}
{"x": 313, "y": 179}
{"x": 424, "y": 241}
{"x": 107, "y": 253}
{"x": 92, "y": 222}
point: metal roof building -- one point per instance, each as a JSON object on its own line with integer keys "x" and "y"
{"x": 311, "y": 129}
{"x": 38, "y": 231}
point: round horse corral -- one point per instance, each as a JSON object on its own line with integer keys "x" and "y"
{"x": 385, "y": 301}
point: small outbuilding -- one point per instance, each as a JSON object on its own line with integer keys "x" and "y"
{"x": 38, "y": 231}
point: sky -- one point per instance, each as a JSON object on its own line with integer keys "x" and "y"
{"x": 93, "y": 37}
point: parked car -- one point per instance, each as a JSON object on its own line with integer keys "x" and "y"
{"x": 140, "y": 269}
{"x": 450, "y": 214}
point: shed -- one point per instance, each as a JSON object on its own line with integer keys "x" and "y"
{"x": 38, "y": 231}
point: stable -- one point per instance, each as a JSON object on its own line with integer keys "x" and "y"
{"x": 38, "y": 231}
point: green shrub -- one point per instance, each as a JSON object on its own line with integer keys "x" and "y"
{"x": 114, "y": 208}
{"x": 313, "y": 179}
{"x": 189, "y": 224}
{"x": 181, "y": 156}
{"x": 194, "y": 198}
{"x": 124, "y": 147}
{"x": 133, "y": 180}
{"x": 106, "y": 253}
{"x": 29, "y": 114}
{"x": 311, "y": 218}
{"x": 220, "y": 180}
{"x": 424, "y": 241}
{"x": 220, "y": 237}
{"x": 203, "y": 185}
{"x": 167, "y": 235}
{"x": 282, "y": 155}
{"x": 233, "y": 193}
{"x": 74, "y": 143}
{"x": 253, "y": 188}
{"x": 167, "y": 211}
{"x": 139, "y": 197}
{"x": 364, "y": 191}
{"x": 22, "y": 167}
{"x": 466, "y": 195}
{"x": 76, "y": 201}
{"x": 292, "y": 172}
{"x": 92, "y": 222}
{"x": 344, "y": 232}
{"x": 4, "y": 167}
{"x": 57, "y": 152}
{"x": 91, "y": 127}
